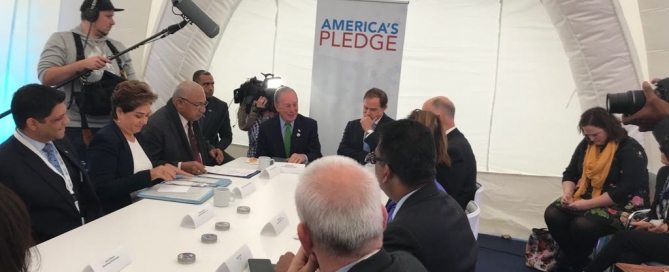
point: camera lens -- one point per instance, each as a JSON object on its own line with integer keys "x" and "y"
{"x": 628, "y": 102}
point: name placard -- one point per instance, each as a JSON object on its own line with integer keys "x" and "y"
{"x": 277, "y": 224}
{"x": 237, "y": 262}
{"x": 113, "y": 262}
{"x": 270, "y": 172}
{"x": 197, "y": 217}
{"x": 244, "y": 190}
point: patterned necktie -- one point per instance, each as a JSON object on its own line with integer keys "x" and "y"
{"x": 50, "y": 151}
{"x": 287, "y": 132}
{"x": 194, "y": 147}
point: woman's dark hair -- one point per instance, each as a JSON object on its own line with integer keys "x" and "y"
{"x": 131, "y": 94}
{"x": 599, "y": 117}
{"x": 14, "y": 232}
{"x": 431, "y": 121}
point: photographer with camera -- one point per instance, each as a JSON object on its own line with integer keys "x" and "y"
{"x": 255, "y": 107}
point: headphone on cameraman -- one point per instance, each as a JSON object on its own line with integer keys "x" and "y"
{"x": 92, "y": 13}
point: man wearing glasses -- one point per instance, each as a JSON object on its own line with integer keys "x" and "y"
{"x": 173, "y": 133}
{"x": 423, "y": 221}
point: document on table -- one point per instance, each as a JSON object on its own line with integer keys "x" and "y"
{"x": 232, "y": 171}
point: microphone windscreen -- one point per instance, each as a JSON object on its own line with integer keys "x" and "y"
{"x": 197, "y": 16}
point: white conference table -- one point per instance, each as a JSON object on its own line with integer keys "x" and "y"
{"x": 150, "y": 232}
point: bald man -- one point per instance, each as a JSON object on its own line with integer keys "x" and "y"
{"x": 460, "y": 179}
{"x": 173, "y": 134}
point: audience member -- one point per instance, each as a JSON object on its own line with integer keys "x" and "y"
{"x": 606, "y": 176}
{"x": 15, "y": 255}
{"x": 289, "y": 135}
{"x": 215, "y": 122}
{"x": 459, "y": 179}
{"x": 359, "y": 136}
{"x": 84, "y": 47}
{"x": 173, "y": 133}
{"x": 648, "y": 241}
{"x": 42, "y": 168}
{"x": 342, "y": 221}
{"x": 426, "y": 222}
{"x": 118, "y": 163}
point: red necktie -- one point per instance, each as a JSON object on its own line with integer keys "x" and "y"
{"x": 194, "y": 147}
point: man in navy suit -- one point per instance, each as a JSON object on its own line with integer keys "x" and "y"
{"x": 42, "y": 168}
{"x": 426, "y": 222}
{"x": 289, "y": 135}
{"x": 341, "y": 221}
{"x": 360, "y": 135}
{"x": 459, "y": 180}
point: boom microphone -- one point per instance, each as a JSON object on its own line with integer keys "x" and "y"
{"x": 197, "y": 16}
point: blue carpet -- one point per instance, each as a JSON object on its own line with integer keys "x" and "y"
{"x": 501, "y": 255}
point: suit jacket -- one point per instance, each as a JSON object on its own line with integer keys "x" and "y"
{"x": 431, "y": 226}
{"x": 304, "y": 139}
{"x": 216, "y": 124}
{"x": 351, "y": 143}
{"x": 459, "y": 179}
{"x": 382, "y": 261}
{"x": 165, "y": 140}
{"x": 51, "y": 207}
{"x": 111, "y": 167}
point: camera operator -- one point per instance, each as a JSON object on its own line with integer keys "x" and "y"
{"x": 250, "y": 120}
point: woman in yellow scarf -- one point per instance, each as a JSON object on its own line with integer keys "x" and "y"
{"x": 606, "y": 176}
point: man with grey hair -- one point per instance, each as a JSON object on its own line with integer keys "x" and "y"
{"x": 173, "y": 135}
{"x": 289, "y": 135}
{"x": 459, "y": 180}
{"x": 342, "y": 221}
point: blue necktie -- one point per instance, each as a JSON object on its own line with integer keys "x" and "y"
{"x": 390, "y": 207}
{"x": 50, "y": 151}
{"x": 365, "y": 146}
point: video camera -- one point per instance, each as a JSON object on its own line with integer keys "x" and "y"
{"x": 632, "y": 101}
{"x": 252, "y": 89}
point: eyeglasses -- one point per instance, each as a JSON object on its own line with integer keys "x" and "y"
{"x": 201, "y": 104}
{"x": 373, "y": 158}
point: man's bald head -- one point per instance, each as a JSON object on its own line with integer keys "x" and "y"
{"x": 444, "y": 107}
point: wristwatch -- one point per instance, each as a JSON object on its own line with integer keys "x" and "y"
{"x": 369, "y": 131}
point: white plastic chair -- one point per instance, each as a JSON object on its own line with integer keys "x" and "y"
{"x": 478, "y": 194}
{"x": 473, "y": 215}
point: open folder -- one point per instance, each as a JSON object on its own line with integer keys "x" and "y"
{"x": 193, "y": 190}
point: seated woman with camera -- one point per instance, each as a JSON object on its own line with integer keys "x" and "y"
{"x": 606, "y": 176}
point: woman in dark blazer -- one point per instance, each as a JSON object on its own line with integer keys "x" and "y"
{"x": 118, "y": 164}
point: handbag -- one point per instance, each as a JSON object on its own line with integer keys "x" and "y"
{"x": 541, "y": 250}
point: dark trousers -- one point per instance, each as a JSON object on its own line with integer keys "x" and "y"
{"x": 575, "y": 234}
{"x": 632, "y": 246}
{"x": 73, "y": 134}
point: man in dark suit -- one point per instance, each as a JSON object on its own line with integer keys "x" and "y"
{"x": 215, "y": 122}
{"x": 173, "y": 133}
{"x": 43, "y": 168}
{"x": 341, "y": 221}
{"x": 426, "y": 222}
{"x": 459, "y": 180}
{"x": 289, "y": 135}
{"x": 359, "y": 136}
